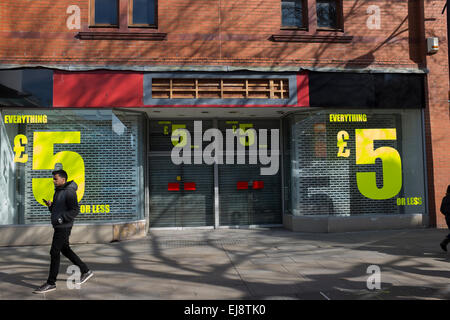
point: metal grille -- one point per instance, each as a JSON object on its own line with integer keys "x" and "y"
{"x": 182, "y": 208}
{"x": 161, "y": 132}
{"x": 321, "y": 182}
{"x": 249, "y": 206}
{"x": 109, "y": 148}
{"x": 178, "y": 208}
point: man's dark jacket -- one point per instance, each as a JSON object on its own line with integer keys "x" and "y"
{"x": 445, "y": 206}
{"x": 64, "y": 205}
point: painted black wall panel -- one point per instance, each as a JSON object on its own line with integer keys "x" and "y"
{"x": 366, "y": 90}
{"x": 399, "y": 91}
{"x": 39, "y": 83}
{"x": 333, "y": 89}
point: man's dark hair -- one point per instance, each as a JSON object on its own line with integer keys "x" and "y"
{"x": 60, "y": 173}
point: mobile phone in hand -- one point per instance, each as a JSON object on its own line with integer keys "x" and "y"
{"x": 45, "y": 201}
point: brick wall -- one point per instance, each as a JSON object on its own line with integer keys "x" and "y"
{"x": 437, "y": 111}
{"x": 211, "y": 32}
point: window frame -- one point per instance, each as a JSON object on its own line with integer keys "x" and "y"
{"x": 141, "y": 25}
{"x": 93, "y": 24}
{"x": 310, "y": 19}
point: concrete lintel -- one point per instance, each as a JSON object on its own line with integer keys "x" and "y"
{"x": 206, "y": 68}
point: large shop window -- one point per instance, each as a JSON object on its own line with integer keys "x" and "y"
{"x": 101, "y": 150}
{"x": 354, "y": 161}
{"x": 247, "y": 181}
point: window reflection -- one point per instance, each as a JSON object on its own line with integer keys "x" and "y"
{"x": 327, "y": 14}
{"x": 292, "y": 14}
{"x": 106, "y": 12}
{"x": 144, "y": 12}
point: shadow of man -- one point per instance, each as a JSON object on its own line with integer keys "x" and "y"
{"x": 16, "y": 279}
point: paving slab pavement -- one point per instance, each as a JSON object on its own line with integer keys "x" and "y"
{"x": 262, "y": 263}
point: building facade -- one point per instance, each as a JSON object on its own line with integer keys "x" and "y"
{"x": 318, "y": 115}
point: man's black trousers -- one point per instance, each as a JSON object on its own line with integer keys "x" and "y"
{"x": 447, "y": 219}
{"x": 60, "y": 244}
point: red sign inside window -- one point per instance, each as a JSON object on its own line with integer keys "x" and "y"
{"x": 258, "y": 185}
{"x": 173, "y": 186}
{"x": 190, "y": 186}
{"x": 242, "y": 185}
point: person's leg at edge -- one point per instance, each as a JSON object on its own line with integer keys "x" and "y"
{"x": 447, "y": 220}
{"x": 72, "y": 256}
{"x": 59, "y": 239}
{"x": 446, "y": 241}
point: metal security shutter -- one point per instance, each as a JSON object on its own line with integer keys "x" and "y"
{"x": 169, "y": 206}
{"x": 321, "y": 182}
{"x": 248, "y": 206}
{"x": 110, "y": 147}
{"x": 246, "y": 197}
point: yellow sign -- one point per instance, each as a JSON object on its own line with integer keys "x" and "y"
{"x": 391, "y": 160}
{"x": 349, "y": 117}
{"x": 19, "y": 148}
{"x": 19, "y": 119}
{"x": 366, "y": 153}
{"x": 97, "y": 208}
{"x": 44, "y": 158}
{"x": 341, "y": 137}
{"x": 411, "y": 201}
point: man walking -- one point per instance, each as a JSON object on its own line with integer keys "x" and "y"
{"x": 445, "y": 209}
{"x": 64, "y": 208}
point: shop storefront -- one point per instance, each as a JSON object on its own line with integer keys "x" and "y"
{"x": 205, "y": 191}
{"x": 362, "y": 168}
{"x": 101, "y": 150}
{"x": 314, "y": 152}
